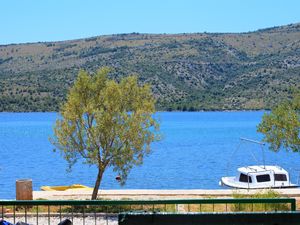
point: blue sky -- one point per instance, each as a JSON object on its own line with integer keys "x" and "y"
{"x": 54, "y": 20}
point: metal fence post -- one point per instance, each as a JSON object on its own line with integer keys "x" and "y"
{"x": 293, "y": 204}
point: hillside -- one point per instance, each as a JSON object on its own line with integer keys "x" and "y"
{"x": 200, "y": 71}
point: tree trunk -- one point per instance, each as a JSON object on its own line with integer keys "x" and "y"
{"x": 97, "y": 184}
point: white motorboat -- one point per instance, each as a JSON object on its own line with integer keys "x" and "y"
{"x": 259, "y": 176}
{"x": 254, "y": 177}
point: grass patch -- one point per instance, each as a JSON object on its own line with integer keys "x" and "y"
{"x": 259, "y": 206}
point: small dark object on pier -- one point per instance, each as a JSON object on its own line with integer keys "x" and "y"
{"x": 65, "y": 222}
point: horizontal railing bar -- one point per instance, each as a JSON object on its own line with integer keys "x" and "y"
{"x": 55, "y": 214}
{"x": 145, "y": 202}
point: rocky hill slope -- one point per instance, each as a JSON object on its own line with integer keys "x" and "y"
{"x": 201, "y": 71}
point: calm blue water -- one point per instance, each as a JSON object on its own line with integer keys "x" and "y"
{"x": 197, "y": 149}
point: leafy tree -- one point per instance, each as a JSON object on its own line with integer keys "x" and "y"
{"x": 281, "y": 127}
{"x": 108, "y": 124}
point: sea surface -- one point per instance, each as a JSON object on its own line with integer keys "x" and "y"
{"x": 197, "y": 149}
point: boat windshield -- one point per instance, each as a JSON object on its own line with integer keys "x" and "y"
{"x": 245, "y": 178}
{"x": 280, "y": 177}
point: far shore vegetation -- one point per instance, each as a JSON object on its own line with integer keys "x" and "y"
{"x": 186, "y": 72}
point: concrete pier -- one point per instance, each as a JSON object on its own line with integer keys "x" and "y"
{"x": 154, "y": 194}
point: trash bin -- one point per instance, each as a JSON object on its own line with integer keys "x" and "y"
{"x": 24, "y": 189}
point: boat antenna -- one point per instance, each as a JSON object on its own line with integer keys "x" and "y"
{"x": 262, "y": 144}
{"x": 231, "y": 156}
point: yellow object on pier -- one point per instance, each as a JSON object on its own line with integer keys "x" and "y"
{"x": 65, "y": 188}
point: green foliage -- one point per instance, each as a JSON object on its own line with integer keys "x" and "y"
{"x": 259, "y": 206}
{"x": 281, "y": 127}
{"x": 106, "y": 123}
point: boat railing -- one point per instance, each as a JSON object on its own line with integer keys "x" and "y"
{"x": 52, "y": 212}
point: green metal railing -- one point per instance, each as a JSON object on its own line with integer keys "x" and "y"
{"x": 52, "y": 212}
